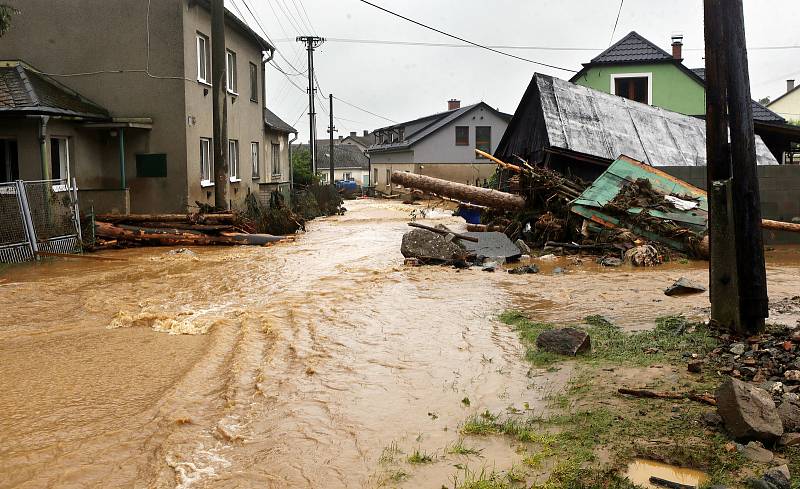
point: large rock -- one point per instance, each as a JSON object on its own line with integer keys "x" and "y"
{"x": 789, "y": 412}
{"x": 564, "y": 341}
{"x": 684, "y": 286}
{"x": 748, "y": 412}
{"x": 428, "y": 246}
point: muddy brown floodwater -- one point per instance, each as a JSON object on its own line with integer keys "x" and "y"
{"x": 289, "y": 366}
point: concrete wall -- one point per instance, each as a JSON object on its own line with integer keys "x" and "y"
{"x": 779, "y": 187}
{"x": 471, "y": 174}
{"x": 110, "y": 36}
{"x": 672, "y": 89}
{"x": 245, "y": 117}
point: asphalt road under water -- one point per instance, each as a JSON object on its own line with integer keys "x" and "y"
{"x": 289, "y": 366}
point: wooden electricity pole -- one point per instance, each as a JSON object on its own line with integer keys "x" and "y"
{"x": 737, "y": 271}
{"x": 331, "y": 129}
{"x": 219, "y": 116}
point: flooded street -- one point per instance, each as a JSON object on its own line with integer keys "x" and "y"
{"x": 296, "y": 365}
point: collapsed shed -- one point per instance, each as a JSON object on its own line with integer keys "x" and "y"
{"x": 579, "y": 131}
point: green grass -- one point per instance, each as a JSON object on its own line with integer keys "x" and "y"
{"x": 459, "y": 448}
{"x": 672, "y": 336}
{"x": 485, "y": 479}
{"x": 420, "y": 457}
{"x": 389, "y": 453}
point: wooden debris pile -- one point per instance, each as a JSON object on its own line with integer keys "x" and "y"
{"x": 193, "y": 229}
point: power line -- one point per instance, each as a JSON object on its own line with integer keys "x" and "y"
{"x": 364, "y": 110}
{"x": 307, "y": 17}
{"x": 614, "y": 31}
{"x": 466, "y": 40}
{"x": 302, "y": 113}
{"x": 506, "y": 46}
{"x": 264, "y": 31}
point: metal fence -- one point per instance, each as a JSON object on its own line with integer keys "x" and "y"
{"x": 38, "y": 216}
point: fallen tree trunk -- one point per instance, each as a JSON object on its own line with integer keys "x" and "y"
{"x": 704, "y": 398}
{"x": 203, "y": 228}
{"x": 475, "y": 195}
{"x": 173, "y": 237}
{"x": 190, "y": 218}
{"x": 790, "y": 227}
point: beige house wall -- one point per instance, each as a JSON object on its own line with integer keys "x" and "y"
{"x": 788, "y": 107}
{"x": 108, "y": 62}
{"x": 455, "y": 172}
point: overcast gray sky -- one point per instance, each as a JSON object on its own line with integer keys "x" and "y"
{"x": 403, "y": 82}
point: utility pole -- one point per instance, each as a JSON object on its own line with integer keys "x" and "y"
{"x": 219, "y": 115}
{"x": 331, "y": 129}
{"x": 737, "y": 271}
{"x": 312, "y": 42}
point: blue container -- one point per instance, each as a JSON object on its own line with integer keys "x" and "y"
{"x": 472, "y": 216}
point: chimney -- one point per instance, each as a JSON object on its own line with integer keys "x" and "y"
{"x": 789, "y": 85}
{"x": 340, "y": 138}
{"x": 352, "y": 134}
{"x": 453, "y": 104}
{"x": 366, "y": 133}
{"x": 677, "y": 46}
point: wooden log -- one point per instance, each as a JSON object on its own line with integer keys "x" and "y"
{"x": 484, "y": 228}
{"x": 190, "y": 218}
{"x": 166, "y": 237}
{"x": 476, "y": 195}
{"x": 704, "y": 398}
{"x": 78, "y": 256}
{"x": 790, "y": 227}
{"x": 502, "y": 164}
{"x": 442, "y": 231}
{"x": 658, "y": 481}
{"x": 203, "y": 228}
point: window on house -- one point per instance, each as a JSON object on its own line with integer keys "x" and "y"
{"x": 635, "y": 88}
{"x": 276, "y": 159}
{"x": 205, "y": 161}
{"x": 253, "y": 83}
{"x": 388, "y": 177}
{"x": 59, "y": 158}
{"x": 9, "y": 163}
{"x": 347, "y": 176}
{"x": 203, "y": 59}
{"x": 462, "y": 135}
{"x": 375, "y": 177}
{"x": 483, "y": 138}
{"x": 323, "y": 178}
{"x": 233, "y": 160}
{"x": 254, "y": 160}
{"x": 230, "y": 69}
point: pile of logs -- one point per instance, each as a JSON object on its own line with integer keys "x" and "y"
{"x": 177, "y": 230}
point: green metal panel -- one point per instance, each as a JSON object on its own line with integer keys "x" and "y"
{"x": 151, "y": 165}
{"x": 673, "y": 89}
{"x": 591, "y": 202}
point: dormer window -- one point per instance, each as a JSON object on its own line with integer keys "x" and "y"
{"x": 633, "y": 86}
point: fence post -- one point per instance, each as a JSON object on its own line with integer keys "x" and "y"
{"x": 26, "y": 217}
{"x": 77, "y": 212}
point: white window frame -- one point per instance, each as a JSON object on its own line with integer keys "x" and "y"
{"x": 206, "y": 162}
{"x": 230, "y": 71}
{"x": 649, "y": 77}
{"x": 203, "y": 64}
{"x": 254, "y": 160}
{"x": 233, "y": 160}
{"x": 275, "y": 160}
{"x": 347, "y": 176}
{"x": 64, "y": 163}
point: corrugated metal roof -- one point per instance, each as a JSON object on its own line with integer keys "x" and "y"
{"x": 631, "y": 49}
{"x": 23, "y": 90}
{"x": 556, "y": 114}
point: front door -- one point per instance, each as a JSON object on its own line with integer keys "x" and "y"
{"x": 9, "y": 163}
{"x": 59, "y": 158}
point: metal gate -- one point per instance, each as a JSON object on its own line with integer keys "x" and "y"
{"x": 38, "y": 216}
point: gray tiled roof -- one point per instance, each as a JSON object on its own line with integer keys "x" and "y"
{"x": 344, "y": 156}
{"x": 274, "y": 122}
{"x": 760, "y": 113}
{"x": 23, "y": 90}
{"x": 631, "y": 49}
{"x": 435, "y": 122}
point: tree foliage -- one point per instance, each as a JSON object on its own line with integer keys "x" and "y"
{"x": 6, "y": 11}
{"x": 301, "y": 168}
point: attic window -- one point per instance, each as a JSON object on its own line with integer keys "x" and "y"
{"x": 633, "y": 86}
{"x": 462, "y": 135}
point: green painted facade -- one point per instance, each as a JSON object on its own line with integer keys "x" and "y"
{"x": 672, "y": 88}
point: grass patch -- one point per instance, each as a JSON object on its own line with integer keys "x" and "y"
{"x": 420, "y": 457}
{"x": 459, "y": 448}
{"x": 389, "y": 453}
{"x": 485, "y": 479}
{"x": 667, "y": 342}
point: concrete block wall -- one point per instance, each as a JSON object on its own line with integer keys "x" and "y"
{"x": 779, "y": 186}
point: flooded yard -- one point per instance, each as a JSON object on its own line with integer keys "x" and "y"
{"x": 304, "y": 364}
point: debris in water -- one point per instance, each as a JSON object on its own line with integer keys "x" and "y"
{"x": 642, "y": 472}
{"x": 644, "y": 256}
{"x": 525, "y": 269}
{"x": 684, "y": 286}
{"x": 564, "y": 341}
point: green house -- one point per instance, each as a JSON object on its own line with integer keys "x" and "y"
{"x": 637, "y": 69}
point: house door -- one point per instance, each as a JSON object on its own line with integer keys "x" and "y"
{"x": 59, "y": 158}
{"x": 9, "y": 164}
